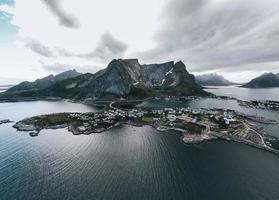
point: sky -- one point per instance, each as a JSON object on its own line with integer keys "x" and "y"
{"x": 235, "y": 38}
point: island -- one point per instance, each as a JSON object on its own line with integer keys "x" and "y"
{"x": 193, "y": 125}
{"x": 5, "y": 121}
{"x": 213, "y": 79}
{"x": 266, "y": 80}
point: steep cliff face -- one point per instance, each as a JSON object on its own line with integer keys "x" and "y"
{"x": 154, "y": 75}
{"x": 121, "y": 76}
{"x": 127, "y": 78}
{"x": 116, "y": 80}
{"x": 180, "y": 82}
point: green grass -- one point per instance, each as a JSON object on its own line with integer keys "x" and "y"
{"x": 147, "y": 119}
{"x": 142, "y": 91}
{"x": 189, "y": 126}
{"x": 53, "y": 119}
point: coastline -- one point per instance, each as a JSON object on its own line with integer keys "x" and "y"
{"x": 186, "y": 137}
{"x": 89, "y": 123}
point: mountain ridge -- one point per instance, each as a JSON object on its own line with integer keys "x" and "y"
{"x": 44, "y": 82}
{"x": 213, "y": 79}
{"x": 265, "y": 80}
{"x": 124, "y": 78}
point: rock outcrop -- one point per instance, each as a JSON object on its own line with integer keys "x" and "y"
{"x": 126, "y": 78}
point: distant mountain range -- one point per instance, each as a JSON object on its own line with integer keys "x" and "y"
{"x": 4, "y": 88}
{"x": 264, "y": 81}
{"x": 213, "y": 80}
{"x": 44, "y": 82}
{"x": 123, "y": 78}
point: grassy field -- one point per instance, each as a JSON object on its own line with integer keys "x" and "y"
{"x": 147, "y": 119}
{"x": 189, "y": 126}
{"x": 53, "y": 119}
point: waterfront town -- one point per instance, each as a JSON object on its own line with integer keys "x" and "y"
{"x": 266, "y": 105}
{"x": 194, "y": 125}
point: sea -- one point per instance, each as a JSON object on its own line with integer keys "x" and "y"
{"x": 247, "y": 94}
{"x": 130, "y": 162}
{"x": 3, "y": 88}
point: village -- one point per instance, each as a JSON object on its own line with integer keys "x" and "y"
{"x": 194, "y": 125}
{"x": 265, "y": 105}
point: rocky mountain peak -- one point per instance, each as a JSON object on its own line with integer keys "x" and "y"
{"x": 123, "y": 78}
{"x": 264, "y": 81}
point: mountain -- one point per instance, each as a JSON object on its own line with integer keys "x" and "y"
{"x": 213, "y": 80}
{"x": 125, "y": 78}
{"x": 264, "y": 81}
{"x": 44, "y": 82}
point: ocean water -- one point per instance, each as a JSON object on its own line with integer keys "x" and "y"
{"x": 3, "y": 88}
{"x": 246, "y": 93}
{"x": 210, "y": 103}
{"x": 127, "y": 162}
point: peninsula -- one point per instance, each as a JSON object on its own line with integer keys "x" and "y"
{"x": 194, "y": 125}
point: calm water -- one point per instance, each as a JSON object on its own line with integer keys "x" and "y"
{"x": 246, "y": 93}
{"x": 126, "y": 163}
{"x": 3, "y": 88}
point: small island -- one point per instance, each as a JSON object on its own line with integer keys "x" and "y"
{"x": 194, "y": 125}
{"x": 5, "y": 121}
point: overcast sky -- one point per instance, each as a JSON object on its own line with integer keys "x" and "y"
{"x": 238, "y": 39}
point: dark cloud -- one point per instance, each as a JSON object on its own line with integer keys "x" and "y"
{"x": 65, "y": 19}
{"x": 217, "y": 34}
{"x": 108, "y": 48}
{"x": 39, "y": 48}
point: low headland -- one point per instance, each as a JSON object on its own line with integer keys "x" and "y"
{"x": 194, "y": 125}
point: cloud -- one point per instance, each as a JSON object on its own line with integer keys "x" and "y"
{"x": 123, "y": 20}
{"x": 65, "y": 19}
{"x": 217, "y": 34}
{"x": 108, "y": 48}
{"x": 57, "y": 67}
{"x": 39, "y": 48}
{"x": 61, "y": 67}
{"x": 208, "y": 35}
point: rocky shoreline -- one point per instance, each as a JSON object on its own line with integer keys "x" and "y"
{"x": 5, "y": 121}
{"x": 194, "y": 126}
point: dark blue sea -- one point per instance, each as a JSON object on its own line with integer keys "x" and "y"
{"x": 130, "y": 162}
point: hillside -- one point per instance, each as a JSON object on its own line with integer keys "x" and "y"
{"x": 264, "y": 81}
{"x": 123, "y": 78}
{"x": 213, "y": 80}
{"x": 44, "y": 82}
